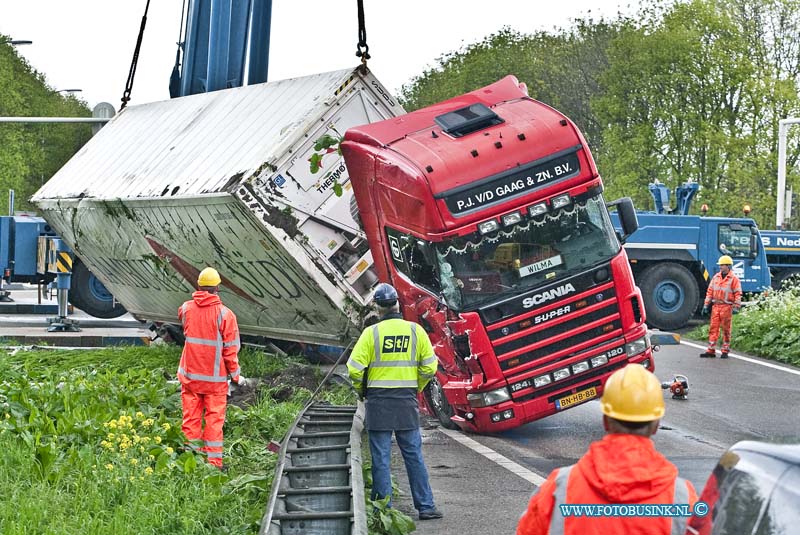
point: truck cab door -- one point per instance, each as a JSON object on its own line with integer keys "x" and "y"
{"x": 742, "y": 243}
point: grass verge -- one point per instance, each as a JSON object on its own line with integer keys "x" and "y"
{"x": 91, "y": 444}
{"x": 769, "y": 327}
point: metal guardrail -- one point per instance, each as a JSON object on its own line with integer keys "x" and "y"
{"x": 318, "y": 487}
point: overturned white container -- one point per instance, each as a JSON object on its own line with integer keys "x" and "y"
{"x": 222, "y": 179}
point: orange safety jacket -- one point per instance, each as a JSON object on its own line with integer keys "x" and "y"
{"x": 619, "y": 469}
{"x": 211, "y": 350}
{"x": 724, "y": 290}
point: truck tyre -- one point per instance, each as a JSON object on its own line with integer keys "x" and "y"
{"x": 670, "y": 295}
{"x": 434, "y": 395}
{"x": 87, "y": 293}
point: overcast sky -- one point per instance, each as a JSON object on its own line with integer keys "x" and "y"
{"x": 88, "y": 44}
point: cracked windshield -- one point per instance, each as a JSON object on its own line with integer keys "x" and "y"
{"x": 529, "y": 254}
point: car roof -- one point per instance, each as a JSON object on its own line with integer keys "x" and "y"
{"x": 789, "y": 453}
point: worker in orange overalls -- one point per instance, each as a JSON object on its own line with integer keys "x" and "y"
{"x": 210, "y": 355}
{"x": 622, "y": 469}
{"x": 725, "y": 296}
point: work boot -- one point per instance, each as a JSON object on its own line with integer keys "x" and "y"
{"x": 724, "y": 355}
{"x": 708, "y": 354}
{"x": 431, "y": 514}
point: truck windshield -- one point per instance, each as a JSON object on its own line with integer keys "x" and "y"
{"x": 533, "y": 252}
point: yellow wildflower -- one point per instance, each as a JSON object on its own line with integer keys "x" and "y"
{"x": 157, "y": 439}
{"x": 151, "y": 457}
{"x": 112, "y": 424}
{"x": 110, "y": 436}
{"x": 139, "y": 415}
{"x": 141, "y": 449}
{"x": 110, "y": 467}
{"x": 169, "y": 450}
{"x": 134, "y": 461}
{"x": 148, "y": 422}
{"x": 148, "y": 470}
{"x": 132, "y": 478}
{"x": 166, "y": 426}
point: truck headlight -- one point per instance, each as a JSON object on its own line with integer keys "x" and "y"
{"x": 541, "y": 381}
{"x": 563, "y": 373}
{"x": 599, "y": 361}
{"x": 579, "y": 367}
{"x": 492, "y": 397}
{"x": 636, "y": 347}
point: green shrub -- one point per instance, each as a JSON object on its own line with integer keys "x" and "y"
{"x": 769, "y": 327}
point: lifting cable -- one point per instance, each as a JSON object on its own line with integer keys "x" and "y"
{"x": 362, "y": 48}
{"x": 175, "y": 77}
{"x": 126, "y": 96}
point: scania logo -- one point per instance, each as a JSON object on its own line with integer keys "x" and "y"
{"x": 548, "y": 295}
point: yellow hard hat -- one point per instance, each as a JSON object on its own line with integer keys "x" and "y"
{"x": 633, "y": 394}
{"x": 209, "y": 277}
{"x": 725, "y": 260}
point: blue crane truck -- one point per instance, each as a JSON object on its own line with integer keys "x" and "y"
{"x": 674, "y": 255}
{"x": 26, "y": 244}
{"x": 783, "y": 254}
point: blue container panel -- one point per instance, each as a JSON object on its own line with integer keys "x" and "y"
{"x": 5, "y": 242}
{"x": 26, "y": 242}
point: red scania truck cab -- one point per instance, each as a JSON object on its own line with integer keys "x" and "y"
{"x": 486, "y": 213}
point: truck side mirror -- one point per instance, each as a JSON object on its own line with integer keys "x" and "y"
{"x": 754, "y": 239}
{"x": 627, "y": 217}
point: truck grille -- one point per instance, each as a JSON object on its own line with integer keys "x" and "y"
{"x": 586, "y": 315}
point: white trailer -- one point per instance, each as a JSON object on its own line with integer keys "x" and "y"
{"x": 222, "y": 179}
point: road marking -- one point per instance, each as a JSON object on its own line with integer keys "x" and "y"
{"x": 495, "y": 457}
{"x": 748, "y": 359}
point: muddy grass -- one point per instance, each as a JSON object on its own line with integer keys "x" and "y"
{"x": 279, "y": 385}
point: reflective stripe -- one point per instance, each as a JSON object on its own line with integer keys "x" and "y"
{"x": 213, "y": 443}
{"x": 393, "y": 383}
{"x": 218, "y": 350}
{"x": 413, "y": 342}
{"x": 376, "y": 340}
{"x": 234, "y": 373}
{"x": 681, "y": 496}
{"x": 560, "y": 497}
{"x": 394, "y": 364}
{"x": 426, "y": 375}
{"x": 214, "y": 455}
{"x": 235, "y": 343}
{"x": 201, "y": 341}
{"x": 184, "y": 308}
{"x": 196, "y": 377}
{"x": 429, "y": 360}
{"x": 355, "y": 364}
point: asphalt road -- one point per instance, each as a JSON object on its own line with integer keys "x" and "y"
{"x": 729, "y": 400}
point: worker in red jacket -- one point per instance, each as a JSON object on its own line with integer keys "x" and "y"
{"x": 210, "y": 355}
{"x": 724, "y": 294}
{"x": 623, "y": 469}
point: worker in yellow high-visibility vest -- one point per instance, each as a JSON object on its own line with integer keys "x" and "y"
{"x": 395, "y": 358}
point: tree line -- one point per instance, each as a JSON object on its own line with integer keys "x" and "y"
{"x": 31, "y": 153}
{"x": 689, "y": 90}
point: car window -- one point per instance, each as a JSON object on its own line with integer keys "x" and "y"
{"x": 744, "y": 493}
{"x": 782, "y": 516}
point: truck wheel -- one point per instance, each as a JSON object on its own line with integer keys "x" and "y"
{"x": 670, "y": 295}
{"x": 88, "y": 294}
{"x": 434, "y": 395}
